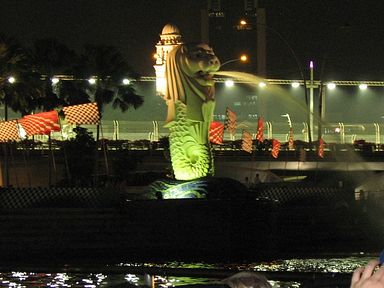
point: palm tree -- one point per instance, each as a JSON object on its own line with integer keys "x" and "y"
{"x": 52, "y": 58}
{"x": 108, "y": 66}
{"x": 22, "y": 95}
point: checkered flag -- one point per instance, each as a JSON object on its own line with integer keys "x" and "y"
{"x": 216, "y": 132}
{"x": 82, "y": 114}
{"x": 230, "y": 122}
{"x": 290, "y": 139}
{"x": 260, "y": 130}
{"x": 275, "y": 148}
{"x": 246, "y": 143}
{"x": 320, "y": 151}
{"x": 41, "y": 123}
{"x": 9, "y": 131}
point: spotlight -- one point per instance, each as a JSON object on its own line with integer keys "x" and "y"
{"x": 229, "y": 83}
{"x": 262, "y": 84}
{"x": 55, "y": 80}
{"x": 92, "y": 81}
{"x": 363, "y": 86}
{"x": 295, "y": 84}
{"x": 331, "y": 86}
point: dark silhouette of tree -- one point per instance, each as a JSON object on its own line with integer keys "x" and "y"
{"x": 23, "y": 95}
{"x": 107, "y": 65}
{"x": 109, "y": 68}
{"x": 52, "y": 58}
{"x": 80, "y": 158}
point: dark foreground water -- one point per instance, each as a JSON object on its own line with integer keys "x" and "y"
{"x": 312, "y": 272}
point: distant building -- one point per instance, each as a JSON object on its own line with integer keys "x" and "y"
{"x": 245, "y": 25}
{"x": 170, "y": 37}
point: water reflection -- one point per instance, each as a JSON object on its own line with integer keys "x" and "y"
{"x": 90, "y": 280}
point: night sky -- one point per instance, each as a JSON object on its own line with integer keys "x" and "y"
{"x": 348, "y": 33}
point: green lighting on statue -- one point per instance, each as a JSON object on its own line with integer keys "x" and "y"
{"x": 190, "y": 100}
{"x": 171, "y": 189}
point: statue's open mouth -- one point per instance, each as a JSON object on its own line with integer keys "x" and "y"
{"x": 205, "y": 75}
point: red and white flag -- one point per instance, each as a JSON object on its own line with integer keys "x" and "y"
{"x": 290, "y": 139}
{"x": 216, "y": 132}
{"x": 82, "y": 114}
{"x": 260, "y": 130}
{"x": 275, "y": 148}
{"x": 320, "y": 150}
{"x": 40, "y": 123}
{"x": 9, "y": 131}
{"x": 230, "y": 123}
{"x": 246, "y": 143}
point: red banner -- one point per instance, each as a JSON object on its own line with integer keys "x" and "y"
{"x": 230, "y": 123}
{"x": 260, "y": 130}
{"x": 290, "y": 139}
{"x": 216, "y": 132}
{"x": 320, "y": 150}
{"x": 40, "y": 123}
{"x": 82, "y": 114}
{"x": 275, "y": 148}
{"x": 9, "y": 131}
{"x": 246, "y": 143}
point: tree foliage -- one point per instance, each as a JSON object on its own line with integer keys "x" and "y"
{"x": 34, "y": 69}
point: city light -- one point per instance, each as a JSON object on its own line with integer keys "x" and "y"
{"x": 243, "y": 58}
{"x": 55, "y": 80}
{"x": 295, "y": 84}
{"x": 126, "y": 81}
{"x": 92, "y": 81}
{"x": 331, "y": 86}
{"x": 363, "y": 86}
{"x": 229, "y": 83}
{"x": 11, "y": 80}
{"x": 262, "y": 84}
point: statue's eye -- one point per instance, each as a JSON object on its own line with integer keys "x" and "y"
{"x": 199, "y": 54}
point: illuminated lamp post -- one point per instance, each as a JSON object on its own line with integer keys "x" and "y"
{"x": 244, "y": 25}
{"x": 11, "y": 81}
{"x": 242, "y": 58}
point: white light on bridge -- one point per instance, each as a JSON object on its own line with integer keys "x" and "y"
{"x": 229, "y": 83}
{"x": 295, "y": 84}
{"x": 55, "y": 80}
{"x": 363, "y": 86}
{"x": 262, "y": 84}
{"x": 331, "y": 86}
{"x": 92, "y": 81}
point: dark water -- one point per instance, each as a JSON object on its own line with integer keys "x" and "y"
{"x": 129, "y": 275}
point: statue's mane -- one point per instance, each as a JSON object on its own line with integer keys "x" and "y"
{"x": 182, "y": 87}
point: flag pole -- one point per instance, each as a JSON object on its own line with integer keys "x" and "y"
{"x": 103, "y": 146}
{"x": 49, "y": 160}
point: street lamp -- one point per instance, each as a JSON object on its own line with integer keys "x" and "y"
{"x": 299, "y": 66}
{"x": 92, "y": 81}
{"x": 11, "y": 80}
{"x": 331, "y": 86}
{"x": 242, "y": 58}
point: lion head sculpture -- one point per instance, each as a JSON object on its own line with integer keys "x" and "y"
{"x": 189, "y": 74}
{"x": 190, "y": 100}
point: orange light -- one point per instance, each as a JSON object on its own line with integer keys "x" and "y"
{"x": 243, "y": 58}
{"x": 243, "y": 22}
{"x": 155, "y": 56}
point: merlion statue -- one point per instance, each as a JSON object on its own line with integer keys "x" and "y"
{"x": 190, "y": 100}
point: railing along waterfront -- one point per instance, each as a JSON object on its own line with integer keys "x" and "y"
{"x": 145, "y": 135}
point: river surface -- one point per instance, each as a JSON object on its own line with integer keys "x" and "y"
{"x": 173, "y": 274}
